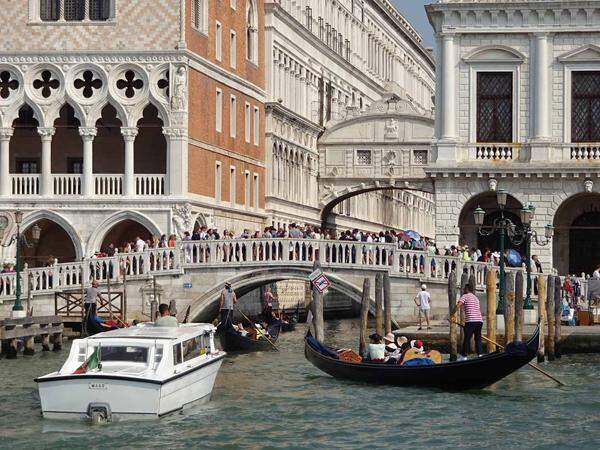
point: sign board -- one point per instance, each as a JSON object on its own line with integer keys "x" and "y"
{"x": 315, "y": 274}
{"x": 321, "y": 283}
{"x": 187, "y": 282}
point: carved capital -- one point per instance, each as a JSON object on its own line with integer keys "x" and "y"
{"x": 129, "y": 133}
{"x": 6, "y": 133}
{"x": 46, "y": 133}
{"x": 171, "y": 132}
{"x": 87, "y": 133}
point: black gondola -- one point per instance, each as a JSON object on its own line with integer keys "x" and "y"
{"x": 232, "y": 341}
{"x": 474, "y": 373}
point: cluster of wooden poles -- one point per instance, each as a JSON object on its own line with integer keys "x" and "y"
{"x": 549, "y": 310}
{"x": 383, "y": 309}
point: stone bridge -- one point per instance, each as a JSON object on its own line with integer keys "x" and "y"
{"x": 247, "y": 265}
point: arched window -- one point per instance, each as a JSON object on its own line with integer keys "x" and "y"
{"x": 251, "y": 31}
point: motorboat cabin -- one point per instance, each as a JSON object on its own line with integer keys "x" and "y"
{"x": 133, "y": 373}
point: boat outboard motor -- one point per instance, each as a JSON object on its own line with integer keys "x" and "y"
{"x": 99, "y": 413}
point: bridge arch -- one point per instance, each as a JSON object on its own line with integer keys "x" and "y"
{"x": 205, "y": 306}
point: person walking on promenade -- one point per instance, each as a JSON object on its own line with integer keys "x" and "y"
{"x": 473, "y": 321}
{"x": 423, "y": 302}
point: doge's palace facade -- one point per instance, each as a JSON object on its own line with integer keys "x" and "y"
{"x": 112, "y": 119}
{"x": 518, "y": 95}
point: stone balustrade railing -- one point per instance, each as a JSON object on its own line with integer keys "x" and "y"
{"x": 192, "y": 255}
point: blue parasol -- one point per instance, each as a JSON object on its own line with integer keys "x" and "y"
{"x": 413, "y": 235}
{"x": 513, "y": 259}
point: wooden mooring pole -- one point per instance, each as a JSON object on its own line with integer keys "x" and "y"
{"x": 364, "y": 317}
{"x": 509, "y": 308}
{"x": 519, "y": 301}
{"x": 453, "y": 327}
{"x": 549, "y": 331}
{"x": 557, "y": 316}
{"x": 387, "y": 302}
{"x": 490, "y": 286}
{"x": 542, "y": 316}
{"x": 379, "y": 304}
{"x": 317, "y": 305}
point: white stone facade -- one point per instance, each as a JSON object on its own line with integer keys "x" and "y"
{"x": 326, "y": 60}
{"x": 542, "y": 43}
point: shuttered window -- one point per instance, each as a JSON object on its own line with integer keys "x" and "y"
{"x": 494, "y": 107}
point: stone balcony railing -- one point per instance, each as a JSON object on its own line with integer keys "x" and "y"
{"x": 71, "y": 185}
{"x": 495, "y": 151}
{"x": 189, "y": 256}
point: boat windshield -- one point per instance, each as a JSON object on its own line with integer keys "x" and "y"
{"x": 122, "y": 353}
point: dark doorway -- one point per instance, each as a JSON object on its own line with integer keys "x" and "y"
{"x": 584, "y": 243}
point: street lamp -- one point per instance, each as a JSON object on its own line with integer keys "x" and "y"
{"x": 517, "y": 235}
{"x": 19, "y": 239}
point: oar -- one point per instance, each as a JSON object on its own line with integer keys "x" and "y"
{"x": 255, "y": 327}
{"x": 502, "y": 347}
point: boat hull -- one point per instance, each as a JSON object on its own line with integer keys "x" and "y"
{"x": 475, "y": 373}
{"x": 232, "y": 341}
{"x": 69, "y": 397}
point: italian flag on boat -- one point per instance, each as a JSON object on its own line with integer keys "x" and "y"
{"x": 91, "y": 363}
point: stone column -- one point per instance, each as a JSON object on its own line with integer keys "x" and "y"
{"x": 46, "y": 134}
{"x": 5, "y": 135}
{"x": 177, "y": 161}
{"x": 87, "y": 178}
{"x": 129, "y": 134}
{"x": 448, "y": 101}
{"x": 542, "y": 96}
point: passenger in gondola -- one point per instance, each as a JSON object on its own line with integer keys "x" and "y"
{"x": 240, "y": 329}
{"x": 393, "y": 354}
{"x": 376, "y": 349}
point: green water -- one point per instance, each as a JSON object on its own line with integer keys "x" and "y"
{"x": 279, "y": 400}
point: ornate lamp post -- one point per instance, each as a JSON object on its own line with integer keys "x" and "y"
{"x": 541, "y": 241}
{"x": 19, "y": 239}
{"x": 516, "y": 235}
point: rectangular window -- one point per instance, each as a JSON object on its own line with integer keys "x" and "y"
{"x": 218, "y": 43}
{"x": 74, "y": 165}
{"x": 256, "y": 191}
{"x": 247, "y": 122}
{"x": 585, "y": 106}
{"x": 494, "y": 107}
{"x": 198, "y": 13}
{"x": 192, "y": 348}
{"x": 232, "y": 116}
{"x": 364, "y": 157}
{"x": 177, "y": 357}
{"x": 49, "y": 10}
{"x": 232, "y": 185}
{"x": 247, "y": 189}
{"x": 256, "y": 125}
{"x": 219, "y": 110}
{"x": 74, "y": 10}
{"x": 218, "y": 181}
{"x": 233, "y": 50}
{"x": 100, "y": 10}
{"x": 28, "y": 166}
{"x": 309, "y": 18}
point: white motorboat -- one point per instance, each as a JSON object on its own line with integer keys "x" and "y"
{"x": 140, "y": 372}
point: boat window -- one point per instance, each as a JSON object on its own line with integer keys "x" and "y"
{"x": 158, "y": 354}
{"x": 193, "y": 348}
{"x": 127, "y": 353}
{"x": 177, "y": 359}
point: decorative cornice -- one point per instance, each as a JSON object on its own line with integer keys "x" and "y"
{"x": 129, "y": 133}
{"x": 6, "y": 133}
{"x": 46, "y": 133}
{"x": 175, "y": 132}
{"x": 88, "y": 133}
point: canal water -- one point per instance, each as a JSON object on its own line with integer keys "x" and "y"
{"x": 279, "y": 400}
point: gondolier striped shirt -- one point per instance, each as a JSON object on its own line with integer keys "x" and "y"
{"x": 470, "y": 304}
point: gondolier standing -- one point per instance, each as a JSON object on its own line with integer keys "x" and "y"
{"x": 473, "y": 321}
{"x": 228, "y": 299}
{"x": 91, "y": 295}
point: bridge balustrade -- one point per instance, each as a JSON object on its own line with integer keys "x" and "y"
{"x": 190, "y": 255}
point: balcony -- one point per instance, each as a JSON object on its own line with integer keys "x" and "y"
{"x": 495, "y": 151}
{"x": 72, "y": 185}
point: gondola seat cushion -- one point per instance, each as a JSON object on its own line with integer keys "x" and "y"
{"x": 419, "y": 362}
